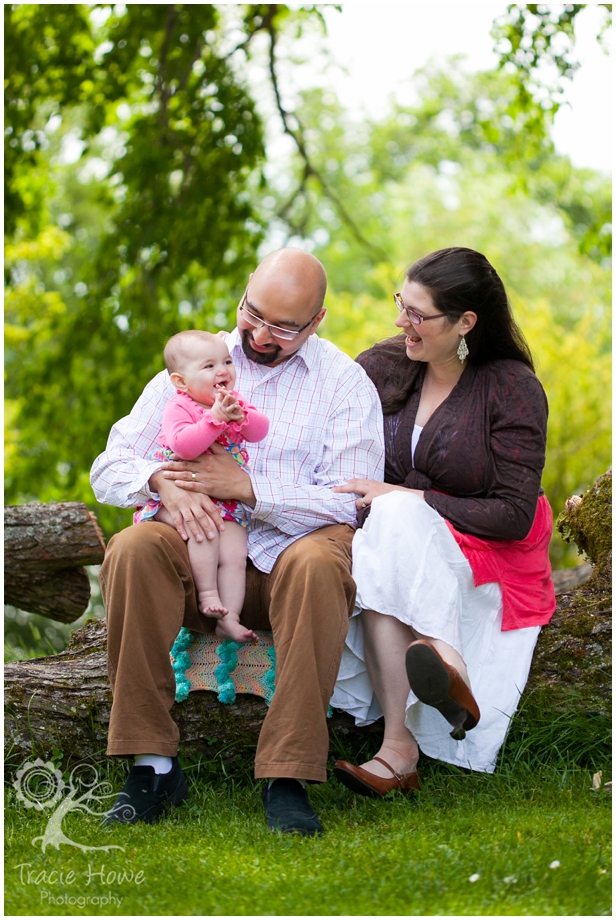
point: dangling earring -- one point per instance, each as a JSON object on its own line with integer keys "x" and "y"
{"x": 462, "y": 350}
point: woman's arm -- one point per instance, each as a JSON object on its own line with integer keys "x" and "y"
{"x": 369, "y": 489}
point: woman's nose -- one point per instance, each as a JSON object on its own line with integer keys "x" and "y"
{"x": 401, "y": 320}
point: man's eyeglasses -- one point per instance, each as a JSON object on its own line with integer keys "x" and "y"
{"x": 415, "y": 317}
{"x": 276, "y": 331}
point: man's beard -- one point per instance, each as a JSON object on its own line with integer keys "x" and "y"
{"x": 259, "y": 357}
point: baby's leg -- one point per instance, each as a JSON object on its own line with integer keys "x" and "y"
{"x": 232, "y": 582}
{"x": 204, "y": 565}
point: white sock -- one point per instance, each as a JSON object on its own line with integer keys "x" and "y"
{"x": 161, "y": 764}
{"x": 302, "y": 782}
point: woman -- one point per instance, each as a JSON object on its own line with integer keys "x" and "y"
{"x": 451, "y": 565}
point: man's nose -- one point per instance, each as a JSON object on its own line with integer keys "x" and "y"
{"x": 262, "y": 335}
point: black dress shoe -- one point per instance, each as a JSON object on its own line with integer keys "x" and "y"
{"x": 288, "y": 808}
{"x": 147, "y": 795}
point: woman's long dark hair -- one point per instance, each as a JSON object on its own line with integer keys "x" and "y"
{"x": 461, "y": 279}
{"x": 458, "y": 280}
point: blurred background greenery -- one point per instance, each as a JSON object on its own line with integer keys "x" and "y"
{"x": 152, "y": 157}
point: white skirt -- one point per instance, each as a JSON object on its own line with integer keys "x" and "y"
{"x": 406, "y": 564}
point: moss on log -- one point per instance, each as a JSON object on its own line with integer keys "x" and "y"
{"x": 574, "y": 653}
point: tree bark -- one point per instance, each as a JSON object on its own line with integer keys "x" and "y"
{"x": 64, "y": 702}
{"x": 45, "y": 549}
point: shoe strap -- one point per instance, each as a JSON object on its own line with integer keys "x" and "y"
{"x": 390, "y": 768}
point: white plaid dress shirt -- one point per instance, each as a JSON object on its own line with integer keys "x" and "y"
{"x": 326, "y": 426}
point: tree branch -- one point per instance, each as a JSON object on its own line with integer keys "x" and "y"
{"x": 298, "y": 138}
{"x": 162, "y": 85}
{"x": 195, "y": 57}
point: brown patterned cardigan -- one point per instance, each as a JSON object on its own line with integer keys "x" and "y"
{"x": 480, "y": 456}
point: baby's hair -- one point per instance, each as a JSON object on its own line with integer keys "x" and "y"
{"x": 174, "y": 349}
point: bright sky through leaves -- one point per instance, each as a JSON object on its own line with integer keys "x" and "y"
{"x": 381, "y": 45}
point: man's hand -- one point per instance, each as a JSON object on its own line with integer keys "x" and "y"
{"x": 193, "y": 515}
{"x": 216, "y": 474}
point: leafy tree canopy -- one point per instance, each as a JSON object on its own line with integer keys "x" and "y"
{"x": 137, "y": 197}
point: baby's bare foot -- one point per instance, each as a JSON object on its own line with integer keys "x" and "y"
{"x": 210, "y": 605}
{"x": 230, "y": 628}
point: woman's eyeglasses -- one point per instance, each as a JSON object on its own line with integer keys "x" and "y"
{"x": 415, "y": 317}
{"x": 276, "y": 331}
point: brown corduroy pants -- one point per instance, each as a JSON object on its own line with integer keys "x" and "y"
{"x": 306, "y": 601}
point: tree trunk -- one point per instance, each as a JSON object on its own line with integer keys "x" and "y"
{"x": 574, "y": 654}
{"x": 45, "y": 549}
{"x": 63, "y": 702}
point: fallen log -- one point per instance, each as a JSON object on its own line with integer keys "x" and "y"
{"x": 46, "y": 547}
{"x": 63, "y": 702}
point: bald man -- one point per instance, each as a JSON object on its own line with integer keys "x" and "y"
{"x": 325, "y": 428}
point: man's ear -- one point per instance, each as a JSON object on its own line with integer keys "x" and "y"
{"x": 318, "y": 320}
{"x": 178, "y": 381}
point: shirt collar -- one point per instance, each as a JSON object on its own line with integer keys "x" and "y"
{"x": 308, "y": 353}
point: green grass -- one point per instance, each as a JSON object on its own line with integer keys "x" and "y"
{"x": 215, "y": 856}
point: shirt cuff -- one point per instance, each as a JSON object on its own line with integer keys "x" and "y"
{"x": 154, "y": 467}
{"x": 265, "y": 503}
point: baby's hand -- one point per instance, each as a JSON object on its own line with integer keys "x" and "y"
{"x": 236, "y": 413}
{"x": 226, "y": 408}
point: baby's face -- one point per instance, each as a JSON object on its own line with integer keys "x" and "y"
{"x": 204, "y": 368}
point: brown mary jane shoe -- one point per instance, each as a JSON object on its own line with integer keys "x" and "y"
{"x": 364, "y": 783}
{"x": 436, "y": 683}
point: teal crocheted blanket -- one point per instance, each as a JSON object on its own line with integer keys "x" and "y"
{"x": 204, "y": 662}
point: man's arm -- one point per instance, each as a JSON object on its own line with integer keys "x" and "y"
{"x": 122, "y": 475}
{"x": 352, "y": 442}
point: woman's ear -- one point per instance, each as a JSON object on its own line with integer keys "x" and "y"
{"x": 178, "y": 381}
{"x": 467, "y": 321}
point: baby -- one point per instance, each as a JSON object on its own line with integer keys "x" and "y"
{"x": 205, "y": 409}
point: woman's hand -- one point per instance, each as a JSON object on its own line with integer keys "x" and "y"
{"x": 194, "y": 514}
{"x": 370, "y": 489}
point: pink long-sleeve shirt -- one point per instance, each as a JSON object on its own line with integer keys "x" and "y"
{"x": 189, "y": 429}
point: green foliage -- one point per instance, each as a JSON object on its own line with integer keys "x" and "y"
{"x": 112, "y": 256}
{"x": 536, "y": 45}
{"x": 47, "y": 59}
{"x": 136, "y": 203}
